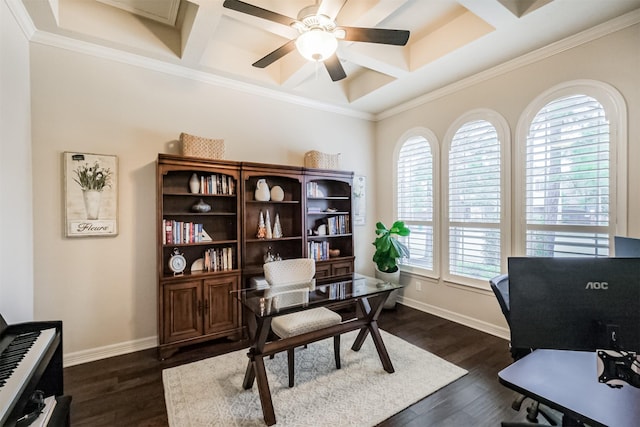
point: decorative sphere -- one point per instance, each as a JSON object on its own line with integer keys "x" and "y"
{"x": 277, "y": 193}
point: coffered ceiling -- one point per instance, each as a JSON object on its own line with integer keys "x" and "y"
{"x": 450, "y": 40}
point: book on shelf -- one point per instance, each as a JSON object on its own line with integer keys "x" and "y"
{"x": 318, "y": 251}
{"x": 219, "y": 259}
{"x": 217, "y": 184}
{"x": 314, "y": 190}
{"x": 177, "y": 232}
{"x": 338, "y": 224}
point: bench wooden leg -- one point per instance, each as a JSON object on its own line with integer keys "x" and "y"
{"x": 292, "y": 365}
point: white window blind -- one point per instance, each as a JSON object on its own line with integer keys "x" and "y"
{"x": 568, "y": 179}
{"x": 415, "y": 200}
{"x": 475, "y": 201}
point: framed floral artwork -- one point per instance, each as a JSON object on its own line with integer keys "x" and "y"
{"x": 91, "y": 194}
{"x": 359, "y": 199}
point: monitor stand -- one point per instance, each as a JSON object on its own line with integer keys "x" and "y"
{"x": 615, "y": 368}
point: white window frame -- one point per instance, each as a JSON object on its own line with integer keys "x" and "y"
{"x": 615, "y": 110}
{"x": 504, "y": 136}
{"x": 432, "y": 140}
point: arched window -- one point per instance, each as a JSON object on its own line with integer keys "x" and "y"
{"x": 569, "y": 178}
{"x": 477, "y": 192}
{"x": 416, "y": 195}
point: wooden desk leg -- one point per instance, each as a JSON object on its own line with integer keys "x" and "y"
{"x": 372, "y": 314}
{"x": 249, "y": 374}
{"x": 268, "y": 412}
{"x": 256, "y": 370}
{"x": 382, "y": 350}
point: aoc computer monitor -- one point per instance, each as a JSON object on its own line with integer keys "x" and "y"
{"x": 581, "y": 304}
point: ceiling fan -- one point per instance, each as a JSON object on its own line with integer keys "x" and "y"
{"x": 318, "y": 34}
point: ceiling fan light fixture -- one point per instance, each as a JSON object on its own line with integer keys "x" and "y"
{"x": 316, "y": 44}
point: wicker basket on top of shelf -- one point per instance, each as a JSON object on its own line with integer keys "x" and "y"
{"x": 319, "y": 160}
{"x": 198, "y": 146}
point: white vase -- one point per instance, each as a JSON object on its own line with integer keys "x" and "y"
{"x": 92, "y": 200}
{"x": 262, "y": 191}
{"x": 194, "y": 184}
{"x": 391, "y": 278}
{"x": 277, "y": 194}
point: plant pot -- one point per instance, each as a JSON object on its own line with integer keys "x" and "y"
{"x": 391, "y": 278}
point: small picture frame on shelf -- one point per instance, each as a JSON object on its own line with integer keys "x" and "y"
{"x": 90, "y": 194}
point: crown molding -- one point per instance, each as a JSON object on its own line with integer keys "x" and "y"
{"x": 576, "y": 40}
{"x": 87, "y": 48}
{"x": 22, "y": 17}
{"x": 59, "y": 41}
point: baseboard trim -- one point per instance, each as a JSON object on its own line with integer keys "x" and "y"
{"x": 120, "y": 349}
{"x": 457, "y": 317}
{"x": 112, "y": 350}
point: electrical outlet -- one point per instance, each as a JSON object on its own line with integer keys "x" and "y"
{"x": 418, "y": 285}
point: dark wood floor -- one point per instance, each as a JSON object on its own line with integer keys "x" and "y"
{"x": 127, "y": 390}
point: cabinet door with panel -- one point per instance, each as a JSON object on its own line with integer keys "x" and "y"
{"x": 221, "y": 311}
{"x": 183, "y": 305}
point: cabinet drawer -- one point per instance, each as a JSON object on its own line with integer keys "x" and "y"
{"x": 342, "y": 268}
{"x": 323, "y": 270}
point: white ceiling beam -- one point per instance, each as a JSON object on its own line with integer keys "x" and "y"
{"x": 491, "y": 11}
{"x": 367, "y": 15}
{"x": 392, "y": 63}
{"x": 198, "y": 27}
{"x": 461, "y": 31}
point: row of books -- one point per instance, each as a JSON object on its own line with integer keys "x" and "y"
{"x": 177, "y": 232}
{"x": 318, "y": 250}
{"x": 314, "y": 190}
{"x": 338, "y": 224}
{"x": 219, "y": 259}
{"x": 217, "y": 184}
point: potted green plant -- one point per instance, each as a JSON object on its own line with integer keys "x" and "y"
{"x": 388, "y": 250}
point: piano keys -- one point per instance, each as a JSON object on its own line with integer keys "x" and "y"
{"x": 30, "y": 360}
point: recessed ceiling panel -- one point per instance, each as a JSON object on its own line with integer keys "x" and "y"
{"x": 164, "y": 11}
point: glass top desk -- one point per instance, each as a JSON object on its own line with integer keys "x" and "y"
{"x": 568, "y": 382}
{"x": 260, "y": 307}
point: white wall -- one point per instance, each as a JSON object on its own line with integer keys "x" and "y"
{"x": 614, "y": 59}
{"x": 16, "y": 244}
{"x": 104, "y": 289}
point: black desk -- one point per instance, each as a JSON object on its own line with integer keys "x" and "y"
{"x": 568, "y": 382}
{"x": 368, "y": 293}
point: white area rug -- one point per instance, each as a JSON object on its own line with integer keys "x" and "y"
{"x": 209, "y": 392}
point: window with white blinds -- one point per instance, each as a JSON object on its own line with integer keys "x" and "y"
{"x": 474, "y": 217}
{"x": 568, "y": 169}
{"x": 415, "y": 196}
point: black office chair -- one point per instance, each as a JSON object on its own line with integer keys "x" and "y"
{"x": 500, "y": 287}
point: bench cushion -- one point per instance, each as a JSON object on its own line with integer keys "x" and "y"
{"x": 302, "y": 322}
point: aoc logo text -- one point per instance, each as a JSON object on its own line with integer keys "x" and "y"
{"x": 597, "y": 285}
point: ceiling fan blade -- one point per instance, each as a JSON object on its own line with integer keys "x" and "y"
{"x": 249, "y": 9}
{"x": 331, "y": 8}
{"x": 376, "y": 35}
{"x": 334, "y": 67}
{"x": 275, "y": 55}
